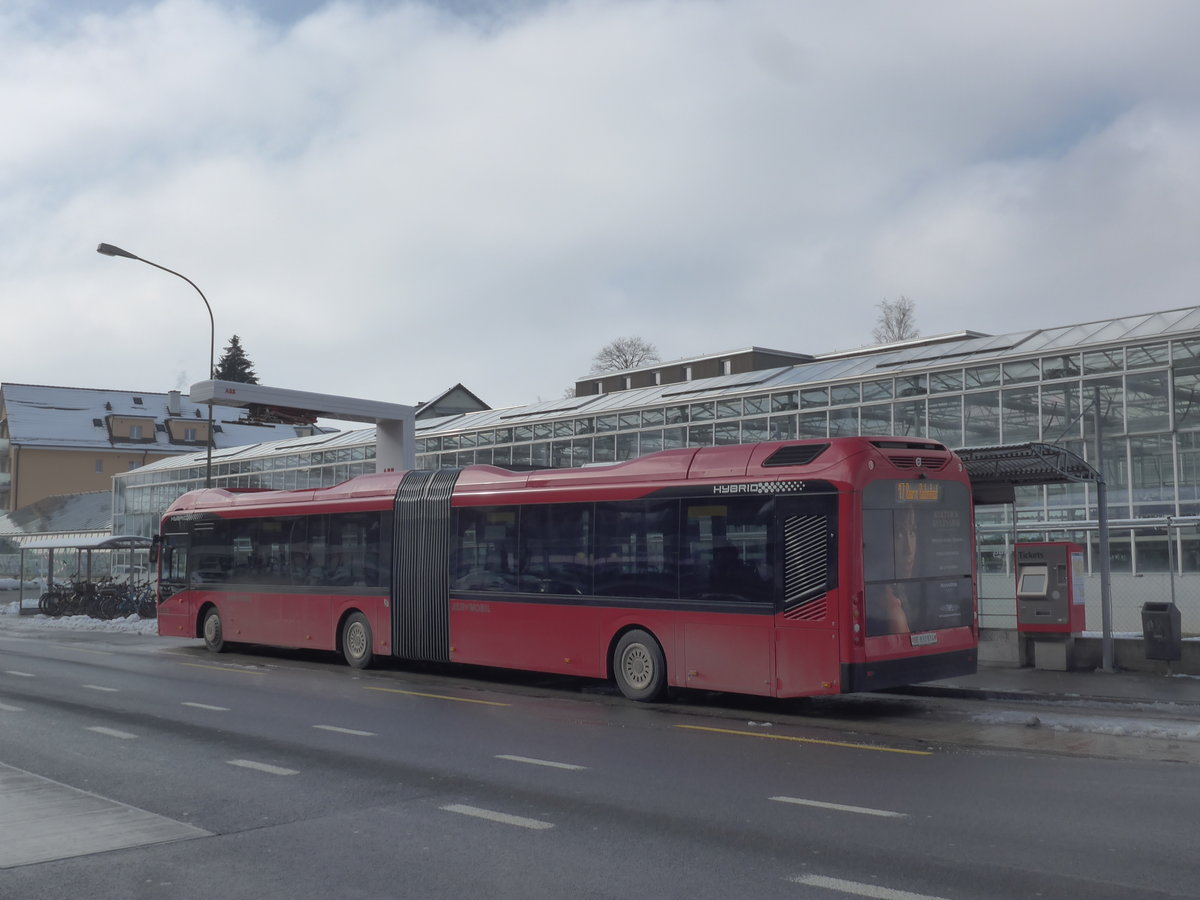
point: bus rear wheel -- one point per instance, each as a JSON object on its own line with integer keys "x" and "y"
{"x": 356, "y": 641}
{"x": 214, "y": 636}
{"x": 639, "y": 667}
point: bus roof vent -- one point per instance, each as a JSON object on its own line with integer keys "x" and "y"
{"x": 795, "y": 455}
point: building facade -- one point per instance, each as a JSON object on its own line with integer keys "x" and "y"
{"x": 67, "y": 440}
{"x": 1123, "y": 394}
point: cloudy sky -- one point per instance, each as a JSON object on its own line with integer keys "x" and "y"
{"x": 384, "y": 198}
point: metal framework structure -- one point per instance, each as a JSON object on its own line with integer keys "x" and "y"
{"x": 996, "y": 473}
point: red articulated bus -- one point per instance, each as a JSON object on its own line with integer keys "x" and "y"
{"x": 783, "y": 569}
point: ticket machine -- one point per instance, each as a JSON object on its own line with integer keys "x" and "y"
{"x": 1050, "y": 588}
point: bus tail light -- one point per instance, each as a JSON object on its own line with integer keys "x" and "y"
{"x": 856, "y": 617}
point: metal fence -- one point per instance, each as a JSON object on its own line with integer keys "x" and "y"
{"x": 1150, "y": 561}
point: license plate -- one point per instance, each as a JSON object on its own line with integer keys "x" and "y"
{"x": 922, "y": 640}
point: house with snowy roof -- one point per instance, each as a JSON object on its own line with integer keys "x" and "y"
{"x": 69, "y": 440}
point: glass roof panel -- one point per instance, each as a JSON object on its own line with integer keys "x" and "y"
{"x": 721, "y": 382}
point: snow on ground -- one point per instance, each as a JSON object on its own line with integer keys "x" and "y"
{"x": 12, "y": 620}
{"x": 1119, "y": 726}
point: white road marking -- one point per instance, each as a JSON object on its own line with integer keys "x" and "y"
{"x": 6, "y": 708}
{"x": 493, "y": 816}
{"x": 542, "y": 762}
{"x": 206, "y": 706}
{"x": 861, "y": 810}
{"x": 859, "y": 889}
{"x": 262, "y": 767}
{"x": 112, "y": 732}
{"x": 99, "y": 687}
{"x": 20, "y": 674}
{"x": 345, "y": 730}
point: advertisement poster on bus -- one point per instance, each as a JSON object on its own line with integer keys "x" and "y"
{"x": 917, "y": 556}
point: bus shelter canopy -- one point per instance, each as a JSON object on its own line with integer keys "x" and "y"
{"x": 102, "y": 542}
{"x": 996, "y": 472}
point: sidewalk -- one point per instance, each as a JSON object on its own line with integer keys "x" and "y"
{"x": 1013, "y": 683}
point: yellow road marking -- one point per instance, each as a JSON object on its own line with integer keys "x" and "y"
{"x": 223, "y": 669}
{"x": 800, "y": 740}
{"x": 437, "y": 696}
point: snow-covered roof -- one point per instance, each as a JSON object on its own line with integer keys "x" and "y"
{"x": 77, "y": 418}
{"x": 73, "y": 513}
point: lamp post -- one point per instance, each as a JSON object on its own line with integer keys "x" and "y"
{"x": 110, "y": 250}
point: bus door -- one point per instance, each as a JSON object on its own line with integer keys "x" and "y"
{"x": 726, "y": 575}
{"x": 807, "y": 656}
{"x": 174, "y": 615}
{"x": 173, "y": 564}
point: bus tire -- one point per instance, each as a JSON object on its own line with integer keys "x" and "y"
{"x": 357, "y": 642}
{"x": 212, "y": 632}
{"x": 639, "y": 667}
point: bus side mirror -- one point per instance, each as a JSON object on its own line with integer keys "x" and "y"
{"x": 154, "y": 545}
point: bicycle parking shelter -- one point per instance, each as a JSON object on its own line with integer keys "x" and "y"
{"x": 84, "y": 547}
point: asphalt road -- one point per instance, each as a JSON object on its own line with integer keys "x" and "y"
{"x": 139, "y": 767}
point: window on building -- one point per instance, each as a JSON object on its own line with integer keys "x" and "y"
{"x": 909, "y": 418}
{"x": 843, "y": 422}
{"x": 1186, "y": 383}
{"x": 981, "y": 419}
{"x": 945, "y": 420}
{"x": 940, "y": 382}
{"x": 877, "y": 418}
{"x": 1098, "y": 361}
{"x": 1105, "y": 395}
{"x": 911, "y": 386}
{"x": 99, "y": 465}
{"x": 1021, "y": 415}
{"x": 812, "y": 425}
{"x": 1147, "y": 402}
{"x": 877, "y": 390}
{"x": 786, "y": 402}
{"x": 1153, "y": 474}
{"x": 1062, "y": 412}
{"x": 981, "y": 377}
{"x": 844, "y": 393}
{"x": 1146, "y": 356}
{"x": 1021, "y": 372}
{"x": 1061, "y": 367}
{"x": 729, "y": 409}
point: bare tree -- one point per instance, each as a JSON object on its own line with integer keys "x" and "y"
{"x": 623, "y": 353}
{"x": 897, "y": 321}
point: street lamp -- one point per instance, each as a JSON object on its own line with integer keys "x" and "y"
{"x": 110, "y": 250}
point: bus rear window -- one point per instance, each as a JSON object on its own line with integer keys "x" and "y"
{"x": 917, "y": 556}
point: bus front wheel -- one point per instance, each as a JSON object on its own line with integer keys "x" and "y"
{"x": 356, "y": 641}
{"x": 639, "y": 667}
{"x": 214, "y": 637}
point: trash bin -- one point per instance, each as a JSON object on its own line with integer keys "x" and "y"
{"x": 1161, "y": 632}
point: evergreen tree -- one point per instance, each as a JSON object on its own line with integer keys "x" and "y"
{"x": 234, "y": 365}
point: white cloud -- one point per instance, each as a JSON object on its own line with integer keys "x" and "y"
{"x": 385, "y": 199}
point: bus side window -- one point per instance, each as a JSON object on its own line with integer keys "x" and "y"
{"x": 485, "y": 556}
{"x": 727, "y": 555}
